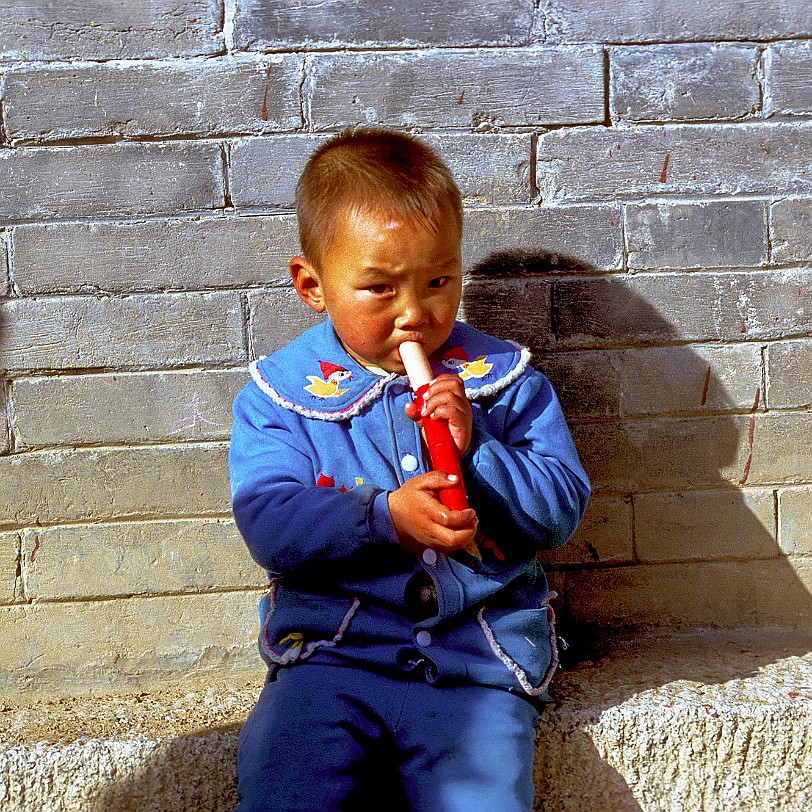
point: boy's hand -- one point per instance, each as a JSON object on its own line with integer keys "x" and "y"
{"x": 421, "y": 520}
{"x": 446, "y": 400}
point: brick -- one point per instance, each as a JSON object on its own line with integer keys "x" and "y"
{"x": 705, "y": 525}
{"x": 731, "y": 306}
{"x": 711, "y": 234}
{"x": 689, "y": 379}
{"x": 605, "y": 536}
{"x": 129, "y": 645}
{"x": 9, "y": 561}
{"x": 683, "y": 83}
{"x": 124, "y": 408}
{"x": 277, "y": 317}
{"x": 126, "y": 179}
{"x": 155, "y": 255}
{"x": 91, "y": 485}
{"x": 791, "y": 221}
{"x": 789, "y": 82}
{"x": 789, "y": 374}
{"x": 4, "y": 278}
{"x": 303, "y": 23}
{"x": 794, "y": 510}
{"x": 514, "y": 309}
{"x": 98, "y": 29}
{"x": 490, "y": 169}
{"x": 595, "y": 163}
{"x": 73, "y": 332}
{"x": 158, "y": 98}
{"x": 710, "y": 594}
{"x": 634, "y": 22}
{"x": 263, "y": 171}
{"x": 457, "y": 88}
{"x": 589, "y": 235}
{"x": 781, "y": 451}
{"x": 670, "y": 454}
{"x": 143, "y": 558}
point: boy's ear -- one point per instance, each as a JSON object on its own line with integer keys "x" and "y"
{"x": 307, "y": 284}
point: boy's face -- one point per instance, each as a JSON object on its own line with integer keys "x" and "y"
{"x": 384, "y": 280}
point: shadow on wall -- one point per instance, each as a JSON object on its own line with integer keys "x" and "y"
{"x": 603, "y": 601}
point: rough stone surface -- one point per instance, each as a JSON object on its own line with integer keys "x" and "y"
{"x": 790, "y": 78}
{"x": 683, "y": 83}
{"x": 100, "y": 29}
{"x": 96, "y": 484}
{"x": 457, "y": 88}
{"x": 714, "y": 234}
{"x": 124, "y": 408}
{"x": 791, "y": 226}
{"x": 635, "y": 22}
{"x": 596, "y": 163}
{"x": 547, "y": 236}
{"x": 277, "y": 316}
{"x": 293, "y": 23}
{"x": 679, "y": 307}
{"x": 86, "y": 331}
{"x": 605, "y": 536}
{"x": 129, "y": 99}
{"x": 9, "y": 559}
{"x": 156, "y": 255}
{"x": 674, "y": 526}
{"x": 126, "y": 179}
{"x": 135, "y": 558}
{"x": 645, "y": 707}
{"x": 130, "y": 644}
{"x": 688, "y": 379}
{"x": 789, "y": 370}
{"x": 263, "y": 171}
{"x": 794, "y": 506}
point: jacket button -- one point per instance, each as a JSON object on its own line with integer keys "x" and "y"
{"x": 423, "y": 639}
{"x": 430, "y": 556}
{"x": 409, "y": 463}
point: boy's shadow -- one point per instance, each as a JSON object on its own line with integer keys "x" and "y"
{"x": 514, "y": 295}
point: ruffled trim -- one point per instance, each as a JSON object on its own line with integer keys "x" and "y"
{"x": 315, "y": 414}
{"x": 512, "y": 665}
{"x": 505, "y": 380}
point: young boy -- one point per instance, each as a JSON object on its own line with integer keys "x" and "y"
{"x": 409, "y": 645}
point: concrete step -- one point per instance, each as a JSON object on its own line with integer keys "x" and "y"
{"x": 716, "y": 721}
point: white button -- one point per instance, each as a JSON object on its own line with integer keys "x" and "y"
{"x": 423, "y": 639}
{"x": 430, "y": 556}
{"x": 409, "y": 463}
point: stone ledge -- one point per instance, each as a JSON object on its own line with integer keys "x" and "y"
{"x": 710, "y": 720}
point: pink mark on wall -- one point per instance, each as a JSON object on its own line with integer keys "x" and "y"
{"x": 265, "y": 95}
{"x": 195, "y": 419}
{"x": 751, "y": 435}
{"x": 706, "y": 387}
{"x": 34, "y": 550}
{"x": 664, "y": 173}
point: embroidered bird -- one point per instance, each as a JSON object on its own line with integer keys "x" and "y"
{"x": 457, "y": 358}
{"x": 328, "y": 385}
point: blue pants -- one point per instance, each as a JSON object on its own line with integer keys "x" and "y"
{"x": 325, "y": 737}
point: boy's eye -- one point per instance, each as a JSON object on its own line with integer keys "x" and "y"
{"x": 439, "y": 282}
{"x": 381, "y": 289}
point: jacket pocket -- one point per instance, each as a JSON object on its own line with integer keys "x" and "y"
{"x": 524, "y": 640}
{"x": 294, "y": 625}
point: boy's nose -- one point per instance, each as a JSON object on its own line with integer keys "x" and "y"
{"x": 411, "y": 316}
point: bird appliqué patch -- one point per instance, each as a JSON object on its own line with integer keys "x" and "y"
{"x": 456, "y": 359}
{"x": 328, "y": 386}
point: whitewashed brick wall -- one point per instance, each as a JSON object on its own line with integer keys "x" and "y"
{"x": 642, "y": 172}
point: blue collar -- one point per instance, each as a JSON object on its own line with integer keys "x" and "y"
{"x": 314, "y": 375}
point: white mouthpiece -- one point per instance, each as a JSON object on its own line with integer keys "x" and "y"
{"x": 416, "y": 363}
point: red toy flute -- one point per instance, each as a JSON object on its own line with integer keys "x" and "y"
{"x": 442, "y": 448}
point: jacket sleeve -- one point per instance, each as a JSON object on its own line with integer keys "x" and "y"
{"x": 523, "y": 470}
{"x": 288, "y": 522}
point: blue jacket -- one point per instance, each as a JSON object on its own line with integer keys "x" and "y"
{"x": 318, "y": 443}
